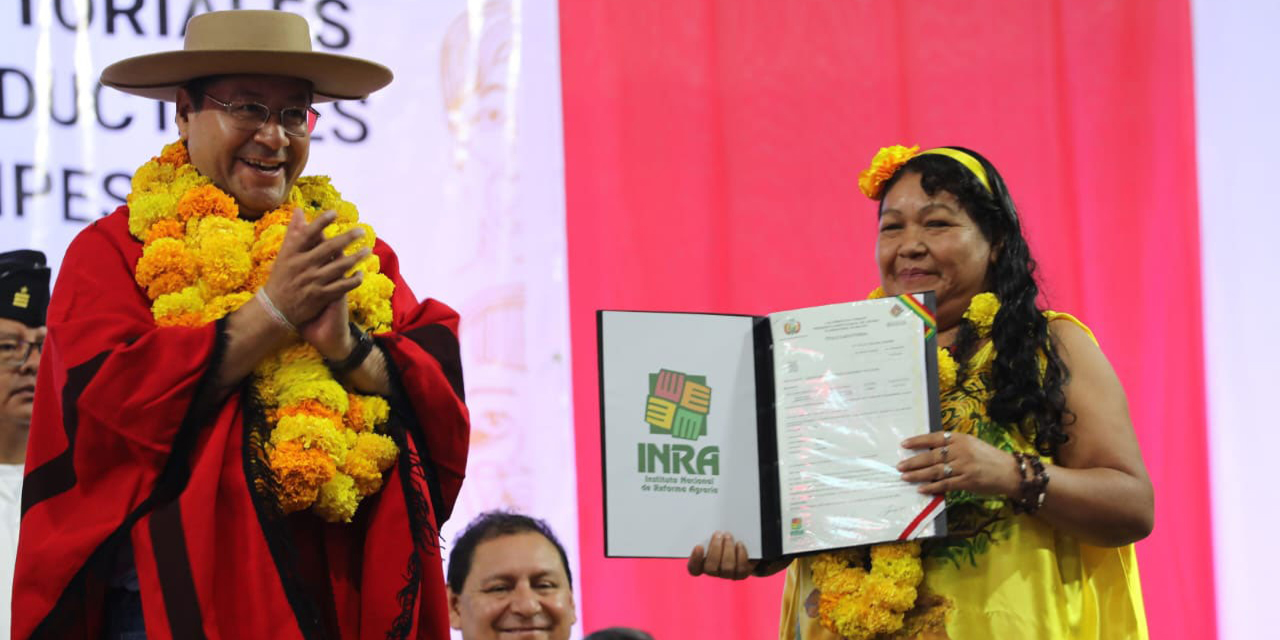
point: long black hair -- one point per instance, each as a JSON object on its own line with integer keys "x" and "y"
{"x": 1020, "y": 332}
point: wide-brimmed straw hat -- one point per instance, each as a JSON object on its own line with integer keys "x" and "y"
{"x": 276, "y": 43}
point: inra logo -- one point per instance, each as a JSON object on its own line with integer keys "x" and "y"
{"x": 678, "y": 405}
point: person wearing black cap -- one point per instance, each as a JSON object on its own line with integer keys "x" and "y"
{"x": 24, "y": 296}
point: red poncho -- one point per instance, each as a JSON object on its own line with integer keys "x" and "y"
{"x": 122, "y": 449}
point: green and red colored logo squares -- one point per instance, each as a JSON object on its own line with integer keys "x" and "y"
{"x": 678, "y": 404}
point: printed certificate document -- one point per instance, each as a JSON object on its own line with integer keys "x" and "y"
{"x": 783, "y": 430}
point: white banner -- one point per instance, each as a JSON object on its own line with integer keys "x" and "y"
{"x": 458, "y": 164}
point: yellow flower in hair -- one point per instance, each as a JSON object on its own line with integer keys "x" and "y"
{"x": 982, "y": 312}
{"x": 338, "y": 499}
{"x": 886, "y": 162}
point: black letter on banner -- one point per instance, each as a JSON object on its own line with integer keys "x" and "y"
{"x": 191, "y": 13}
{"x": 364, "y": 129}
{"x": 131, "y": 13}
{"x": 68, "y": 194}
{"x": 164, "y": 113}
{"x": 22, "y": 195}
{"x": 87, "y": 17}
{"x": 106, "y": 186}
{"x": 31, "y": 95}
{"x": 276, "y": 4}
{"x": 162, "y": 11}
{"x": 75, "y": 103}
{"x": 97, "y": 110}
{"x": 343, "y": 40}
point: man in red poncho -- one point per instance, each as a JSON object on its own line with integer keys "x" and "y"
{"x": 155, "y": 503}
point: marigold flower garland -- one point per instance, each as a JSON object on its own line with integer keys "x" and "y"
{"x": 860, "y": 604}
{"x": 200, "y": 261}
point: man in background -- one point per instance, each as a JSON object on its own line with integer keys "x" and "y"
{"x": 24, "y": 296}
{"x": 509, "y": 576}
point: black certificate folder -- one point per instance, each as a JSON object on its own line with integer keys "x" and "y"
{"x": 781, "y": 429}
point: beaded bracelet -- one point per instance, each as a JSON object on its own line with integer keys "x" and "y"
{"x": 1031, "y": 486}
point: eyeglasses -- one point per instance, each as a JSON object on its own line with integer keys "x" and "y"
{"x": 14, "y": 351}
{"x": 250, "y": 116}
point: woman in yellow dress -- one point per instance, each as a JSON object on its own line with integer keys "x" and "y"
{"x": 1045, "y": 484}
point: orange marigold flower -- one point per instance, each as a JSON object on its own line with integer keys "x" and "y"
{"x": 186, "y": 319}
{"x": 883, "y": 166}
{"x": 165, "y": 267}
{"x": 207, "y": 200}
{"x": 165, "y": 229}
{"x": 279, "y": 215}
{"x": 300, "y": 473}
{"x": 174, "y": 154}
{"x": 308, "y": 408}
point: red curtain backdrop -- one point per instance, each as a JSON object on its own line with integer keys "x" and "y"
{"x": 712, "y": 150}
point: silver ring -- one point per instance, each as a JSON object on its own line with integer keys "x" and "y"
{"x": 946, "y": 436}
{"x": 947, "y": 471}
{"x": 943, "y": 451}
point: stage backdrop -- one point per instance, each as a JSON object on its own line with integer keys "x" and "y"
{"x": 711, "y": 165}
{"x": 458, "y": 164}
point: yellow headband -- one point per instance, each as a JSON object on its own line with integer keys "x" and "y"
{"x": 889, "y": 159}
{"x": 971, "y": 163}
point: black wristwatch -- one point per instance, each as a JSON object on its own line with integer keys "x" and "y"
{"x": 364, "y": 345}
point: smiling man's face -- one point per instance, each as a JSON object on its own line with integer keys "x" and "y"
{"x": 517, "y": 589}
{"x": 256, "y": 167}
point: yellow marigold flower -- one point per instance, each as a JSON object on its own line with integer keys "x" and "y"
{"x": 223, "y": 305}
{"x": 947, "y": 370}
{"x": 148, "y": 207}
{"x": 151, "y": 176}
{"x": 327, "y": 392}
{"x": 187, "y": 177}
{"x": 338, "y": 499}
{"x": 982, "y": 312}
{"x": 300, "y": 473}
{"x": 885, "y": 163}
{"x": 379, "y": 449}
{"x": 267, "y": 246}
{"x": 318, "y": 194}
{"x": 374, "y": 411}
{"x": 224, "y": 264}
{"x": 312, "y": 432}
{"x": 188, "y": 299}
{"x": 347, "y": 212}
{"x": 877, "y": 293}
{"x": 165, "y": 267}
{"x": 371, "y": 264}
{"x": 370, "y": 302}
{"x": 205, "y": 201}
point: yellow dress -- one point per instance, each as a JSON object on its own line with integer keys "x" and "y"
{"x": 999, "y": 575}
